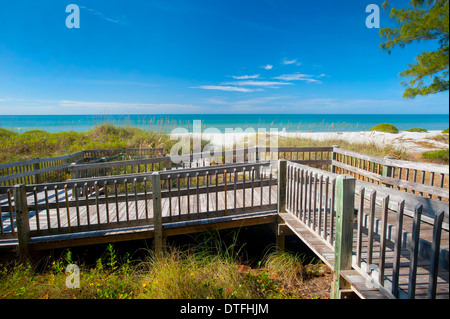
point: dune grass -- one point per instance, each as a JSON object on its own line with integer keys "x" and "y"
{"x": 32, "y": 144}
{"x": 209, "y": 269}
{"x": 365, "y": 148}
{"x": 385, "y": 128}
{"x": 417, "y": 129}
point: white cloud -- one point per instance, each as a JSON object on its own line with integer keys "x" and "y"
{"x": 267, "y": 67}
{"x": 299, "y": 77}
{"x": 294, "y": 61}
{"x": 257, "y": 83}
{"x": 245, "y": 77}
{"x": 225, "y": 88}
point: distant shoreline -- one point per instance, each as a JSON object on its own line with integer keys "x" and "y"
{"x": 412, "y": 141}
{"x": 293, "y": 123}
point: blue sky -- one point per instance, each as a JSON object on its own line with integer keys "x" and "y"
{"x": 202, "y": 56}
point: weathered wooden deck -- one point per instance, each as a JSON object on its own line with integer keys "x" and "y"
{"x": 395, "y": 249}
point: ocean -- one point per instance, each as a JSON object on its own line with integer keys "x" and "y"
{"x": 287, "y": 122}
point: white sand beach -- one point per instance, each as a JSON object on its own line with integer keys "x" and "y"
{"x": 414, "y": 142}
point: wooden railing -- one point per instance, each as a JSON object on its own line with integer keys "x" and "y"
{"x": 54, "y": 169}
{"x": 425, "y": 179}
{"x": 91, "y": 204}
{"x": 384, "y": 228}
{"x": 38, "y": 170}
{"x": 314, "y": 156}
{"x": 384, "y": 225}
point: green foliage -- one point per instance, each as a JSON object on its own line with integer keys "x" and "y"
{"x": 445, "y": 131}
{"x": 194, "y": 272}
{"x": 440, "y": 156}
{"x": 384, "y": 127}
{"x": 36, "y": 143}
{"x": 417, "y": 130}
{"x": 423, "y": 20}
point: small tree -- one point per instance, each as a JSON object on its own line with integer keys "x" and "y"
{"x": 423, "y": 20}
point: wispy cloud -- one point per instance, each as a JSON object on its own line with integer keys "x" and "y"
{"x": 225, "y": 88}
{"x": 245, "y": 77}
{"x": 288, "y": 62}
{"x": 299, "y": 77}
{"x": 267, "y": 67}
{"x": 258, "y": 83}
{"x": 103, "y": 16}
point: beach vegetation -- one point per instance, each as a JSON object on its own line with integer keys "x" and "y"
{"x": 209, "y": 269}
{"x": 385, "y": 128}
{"x": 422, "y": 20}
{"x": 417, "y": 130}
{"x": 438, "y": 156}
{"x": 37, "y": 143}
{"x": 445, "y": 131}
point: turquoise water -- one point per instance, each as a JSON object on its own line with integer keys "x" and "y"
{"x": 289, "y": 122}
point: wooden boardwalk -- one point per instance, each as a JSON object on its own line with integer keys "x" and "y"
{"x": 191, "y": 213}
{"x": 396, "y": 249}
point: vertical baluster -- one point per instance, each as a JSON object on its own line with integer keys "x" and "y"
{"x": 360, "y": 225}
{"x": 217, "y": 192}
{"x": 253, "y": 188}
{"x": 397, "y": 249}
{"x": 370, "y": 230}
{"x": 325, "y": 209}
{"x": 384, "y": 219}
{"x": 198, "y": 192}
{"x": 435, "y": 252}
{"x": 67, "y": 207}
{"x": 207, "y": 192}
{"x": 319, "y": 212}
{"x": 77, "y": 204}
{"x": 58, "y": 218}
{"x": 332, "y": 209}
{"x": 116, "y": 200}
{"x": 136, "y": 198}
{"x": 270, "y": 184}
{"x": 169, "y": 181}
{"x": 188, "y": 181}
{"x": 146, "y": 195}
{"x": 105, "y": 188}
{"x": 88, "y": 218}
{"x": 179, "y": 195}
{"x": 126, "y": 200}
{"x": 234, "y": 189}
{"x": 415, "y": 238}
{"x": 36, "y": 209}
{"x": 97, "y": 205}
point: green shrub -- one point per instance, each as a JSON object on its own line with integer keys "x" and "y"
{"x": 385, "y": 128}
{"x": 417, "y": 130}
{"x": 441, "y": 156}
{"x": 445, "y": 131}
{"x": 7, "y": 133}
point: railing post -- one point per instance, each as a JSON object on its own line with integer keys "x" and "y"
{"x": 157, "y": 212}
{"x": 281, "y": 208}
{"x": 345, "y": 203}
{"x": 282, "y": 185}
{"x": 257, "y": 159}
{"x": 387, "y": 170}
{"x": 36, "y": 167}
{"x": 333, "y": 158}
{"x": 22, "y": 221}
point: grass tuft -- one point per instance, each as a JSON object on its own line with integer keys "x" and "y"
{"x": 385, "y": 128}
